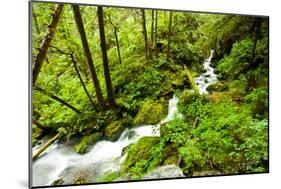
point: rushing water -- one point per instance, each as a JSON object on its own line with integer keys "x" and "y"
{"x": 61, "y": 161}
{"x": 207, "y": 78}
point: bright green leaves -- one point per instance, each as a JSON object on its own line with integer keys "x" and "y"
{"x": 177, "y": 131}
{"x": 238, "y": 60}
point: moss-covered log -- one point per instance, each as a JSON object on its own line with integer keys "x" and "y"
{"x": 45, "y": 146}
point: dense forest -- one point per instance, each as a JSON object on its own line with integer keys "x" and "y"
{"x": 103, "y": 75}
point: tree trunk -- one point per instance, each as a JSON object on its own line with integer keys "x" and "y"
{"x": 116, "y": 39}
{"x": 80, "y": 27}
{"x": 45, "y": 146}
{"x": 117, "y": 43}
{"x": 257, "y": 25}
{"x": 109, "y": 89}
{"x": 81, "y": 80}
{"x": 144, "y": 33}
{"x": 169, "y": 36}
{"x": 152, "y": 27}
{"x": 156, "y": 22}
{"x": 57, "y": 99}
{"x": 38, "y": 61}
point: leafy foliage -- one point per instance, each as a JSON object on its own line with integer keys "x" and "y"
{"x": 224, "y": 132}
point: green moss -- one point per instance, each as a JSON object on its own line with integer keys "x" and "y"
{"x": 143, "y": 156}
{"x": 87, "y": 140}
{"x": 113, "y": 130}
{"x": 171, "y": 155}
{"x": 108, "y": 177}
{"x": 150, "y": 112}
{"x": 187, "y": 96}
{"x": 37, "y": 134}
{"x": 57, "y": 182}
{"x": 80, "y": 181}
{"x": 190, "y": 78}
{"x": 218, "y": 87}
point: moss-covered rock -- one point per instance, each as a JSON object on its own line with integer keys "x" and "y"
{"x": 108, "y": 177}
{"x": 151, "y": 112}
{"x": 57, "y": 182}
{"x": 163, "y": 130}
{"x": 171, "y": 155}
{"x": 187, "y": 96}
{"x": 141, "y": 157}
{"x": 113, "y": 130}
{"x": 218, "y": 87}
{"x": 86, "y": 141}
{"x": 179, "y": 80}
{"x": 37, "y": 134}
{"x": 80, "y": 181}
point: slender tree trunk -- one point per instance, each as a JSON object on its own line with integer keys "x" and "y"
{"x": 38, "y": 61}
{"x": 169, "y": 36}
{"x": 57, "y": 99}
{"x": 257, "y": 25}
{"x": 152, "y": 27}
{"x": 81, "y": 80}
{"x": 156, "y": 22}
{"x": 165, "y": 17}
{"x": 109, "y": 88}
{"x": 80, "y": 27}
{"x": 144, "y": 33}
{"x": 117, "y": 43}
{"x": 116, "y": 39}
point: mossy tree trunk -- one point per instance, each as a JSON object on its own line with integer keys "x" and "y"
{"x": 256, "y": 28}
{"x": 45, "y": 146}
{"x": 169, "y": 36}
{"x": 109, "y": 88}
{"x": 156, "y": 22}
{"x": 152, "y": 27}
{"x": 80, "y": 27}
{"x": 39, "y": 59}
{"x": 144, "y": 33}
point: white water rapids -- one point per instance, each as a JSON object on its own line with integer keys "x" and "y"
{"x": 61, "y": 161}
{"x": 207, "y": 78}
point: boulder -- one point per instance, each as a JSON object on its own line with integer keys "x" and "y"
{"x": 113, "y": 130}
{"x": 167, "y": 171}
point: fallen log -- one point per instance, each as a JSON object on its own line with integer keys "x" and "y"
{"x": 45, "y": 146}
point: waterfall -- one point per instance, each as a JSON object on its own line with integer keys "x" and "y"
{"x": 207, "y": 78}
{"x": 61, "y": 161}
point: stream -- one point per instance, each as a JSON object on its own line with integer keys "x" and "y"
{"x": 61, "y": 161}
{"x": 207, "y": 78}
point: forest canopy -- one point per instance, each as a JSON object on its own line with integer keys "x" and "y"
{"x": 98, "y": 71}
